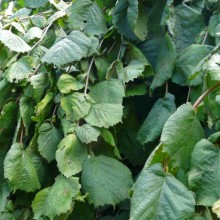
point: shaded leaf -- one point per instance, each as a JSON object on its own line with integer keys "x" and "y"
{"x": 204, "y": 177}
{"x": 48, "y": 140}
{"x": 106, "y": 180}
{"x": 153, "y": 125}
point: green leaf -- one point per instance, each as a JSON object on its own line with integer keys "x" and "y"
{"x": 108, "y": 91}
{"x": 57, "y": 199}
{"x": 8, "y": 117}
{"x": 13, "y": 42}
{"x": 106, "y": 180}
{"x": 204, "y": 177}
{"x": 125, "y": 16}
{"x": 134, "y": 70}
{"x": 165, "y": 63}
{"x": 70, "y": 155}
{"x": 213, "y": 24}
{"x": 19, "y": 169}
{"x": 33, "y": 33}
{"x": 187, "y": 63}
{"x": 48, "y": 140}
{"x": 76, "y": 105}
{"x": 104, "y": 115}
{"x": 87, "y": 133}
{"x": 39, "y": 21}
{"x": 159, "y": 195}
{"x": 55, "y": 16}
{"x": 5, "y": 91}
{"x": 87, "y": 16}
{"x": 68, "y": 83}
{"x": 185, "y": 30}
{"x": 27, "y": 111}
{"x": 180, "y": 134}
{"x": 72, "y": 48}
{"x": 153, "y": 125}
{"x": 20, "y": 70}
{"x": 35, "y": 3}
{"x": 4, "y": 194}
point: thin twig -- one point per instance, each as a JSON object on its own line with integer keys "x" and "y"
{"x": 200, "y": 99}
{"x": 45, "y": 32}
{"x": 119, "y": 52}
{"x": 188, "y": 95}
{"x": 21, "y": 134}
{"x": 38, "y": 67}
{"x": 205, "y": 37}
{"x": 87, "y": 77}
{"x": 167, "y": 88}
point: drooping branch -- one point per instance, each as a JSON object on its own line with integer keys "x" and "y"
{"x": 206, "y": 93}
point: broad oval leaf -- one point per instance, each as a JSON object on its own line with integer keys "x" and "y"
{"x": 19, "y": 169}
{"x": 68, "y": 83}
{"x": 204, "y": 177}
{"x": 57, "y": 199}
{"x": 104, "y": 115}
{"x": 72, "y": 48}
{"x": 108, "y": 91}
{"x": 20, "y": 70}
{"x": 13, "y": 42}
{"x": 180, "y": 134}
{"x": 87, "y": 16}
{"x": 76, "y": 105}
{"x": 48, "y": 140}
{"x": 106, "y": 180}
{"x": 87, "y": 133}
{"x": 160, "y": 196}
{"x": 70, "y": 155}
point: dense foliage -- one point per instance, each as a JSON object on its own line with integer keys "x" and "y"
{"x": 110, "y": 109}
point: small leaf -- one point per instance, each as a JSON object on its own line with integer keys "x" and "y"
{"x": 109, "y": 91}
{"x": 19, "y": 169}
{"x": 106, "y": 180}
{"x": 33, "y": 33}
{"x": 13, "y": 42}
{"x": 55, "y": 16}
{"x": 180, "y": 134}
{"x": 57, "y": 199}
{"x": 87, "y": 133}
{"x": 20, "y": 70}
{"x": 159, "y": 195}
{"x": 68, "y": 83}
{"x": 27, "y": 111}
{"x": 70, "y": 155}
{"x": 104, "y": 115}
{"x": 204, "y": 177}
{"x": 153, "y": 125}
{"x": 76, "y": 105}
{"x": 48, "y": 140}
{"x": 39, "y": 21}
